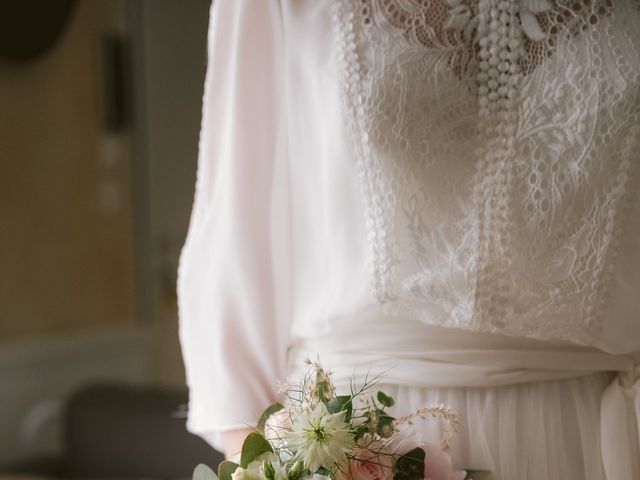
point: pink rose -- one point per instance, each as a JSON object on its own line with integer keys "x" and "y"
{"x": 277, "y": 424}
{"x": 370, "y": 465}
{"x": 438, "y": 465}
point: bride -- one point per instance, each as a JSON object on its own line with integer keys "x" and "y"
{"x": 443, "y": 190}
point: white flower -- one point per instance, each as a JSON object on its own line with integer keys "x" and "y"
{"x": 245, "y": 474}
{"x": 319, "y": 438}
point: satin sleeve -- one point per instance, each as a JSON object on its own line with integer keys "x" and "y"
{"x": 232, "y": 274}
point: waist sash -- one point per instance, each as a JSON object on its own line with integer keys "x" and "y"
{"x": 418, "y": 355}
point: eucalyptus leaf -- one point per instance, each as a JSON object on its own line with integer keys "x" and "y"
{"x": 202, "y": 472}
{"x": 226, "y": 469}
{"x": 384, "y": 424}
{"x": 254, "y": 446}
{"x": 410, "y": 466}
{"x": 339, "y": 404}
{"x": 385, "y": 400}
{"x": 276, "y": 407}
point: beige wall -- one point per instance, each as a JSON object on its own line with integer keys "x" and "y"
{"x": 65, "y": 209}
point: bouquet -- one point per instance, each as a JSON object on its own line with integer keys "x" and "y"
{"x": 319, "y": 435}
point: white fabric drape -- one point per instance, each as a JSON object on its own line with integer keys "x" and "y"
{"x": 620, "y": 426}
{"x": 228, "y": 283}
{"x": 522, "y": 431}
{"x": 280, "y": 245}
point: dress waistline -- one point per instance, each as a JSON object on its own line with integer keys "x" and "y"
{"x": 419, "y": 355}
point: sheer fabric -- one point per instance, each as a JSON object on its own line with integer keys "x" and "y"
{"x": 466, "y": 164}
{"x": 522, "y": 431}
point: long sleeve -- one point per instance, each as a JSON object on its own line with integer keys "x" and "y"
{"x": 233, "y": 271}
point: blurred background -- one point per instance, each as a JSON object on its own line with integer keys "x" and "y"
{"x": 100, "y": 105}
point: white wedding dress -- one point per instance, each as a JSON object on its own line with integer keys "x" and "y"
{"x": 444, "y": 190}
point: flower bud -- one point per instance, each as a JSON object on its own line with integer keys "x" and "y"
{"x": 295, "y": 471}
{"x": 269, "y": 471}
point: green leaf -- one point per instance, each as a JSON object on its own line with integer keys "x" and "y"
{"x": 269, "y": 471}
{"x": 226, "y": 469}
{"x": 202, "y": 472}
{"x": 276, "y": 407}
{"x": 361, "y": 430}
{"x": 254, "y": 446}
{"x": 479, "y": 475}
{"x": 410, "y": 466}
{"x": 324, "y": 471}
{"x": 385, "y": 400}
{"x": 384, "y": 424}
{"x": 339, "y": 404}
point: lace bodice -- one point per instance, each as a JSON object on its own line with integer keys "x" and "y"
{"x": 498, "y": 143}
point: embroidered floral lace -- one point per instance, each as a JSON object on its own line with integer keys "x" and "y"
{"x": 529, "y": 111}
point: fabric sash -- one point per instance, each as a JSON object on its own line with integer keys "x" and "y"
{"x": 418, "y": 355}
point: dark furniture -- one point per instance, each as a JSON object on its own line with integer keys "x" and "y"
{"x": 123, "y": 432}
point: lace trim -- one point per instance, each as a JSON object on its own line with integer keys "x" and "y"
{"x": 378, "y": 207}
{"x": 452, "y": 25}
{"x": 539, "y": 163}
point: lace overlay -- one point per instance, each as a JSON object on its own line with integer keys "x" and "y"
{"x": 498, "y": 143}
